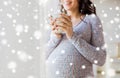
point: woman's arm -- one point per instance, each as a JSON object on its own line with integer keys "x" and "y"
{"x": 95, "y": 51}
{"x": 52, "y": 43}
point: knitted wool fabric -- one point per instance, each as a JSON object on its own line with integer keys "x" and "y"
{"x": 74, "y": 58}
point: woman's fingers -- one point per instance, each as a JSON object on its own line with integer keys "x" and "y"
{"x": 66, "y": 17}
{"x": 62, "y": 24}
{"x": 53, "y": 27}
{"x": 61, "y": 28}
{"x": 63, "y": 19}
{"x": 52, "y": 21}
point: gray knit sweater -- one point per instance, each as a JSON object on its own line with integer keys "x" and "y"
{"x": 74, "y": 58}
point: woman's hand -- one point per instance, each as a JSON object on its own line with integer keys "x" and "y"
{"x": 53, "y": 27}
{"x": 65, "y": 25}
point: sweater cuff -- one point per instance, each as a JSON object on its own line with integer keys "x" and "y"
{"x": 73, "y": 38}
{"x": 54, "y": 38}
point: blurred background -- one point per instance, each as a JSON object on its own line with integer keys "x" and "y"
{"x": 22, "y": 27}
{"x": 19, "y": 39}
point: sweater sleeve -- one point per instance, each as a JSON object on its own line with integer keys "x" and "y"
{"x": 52, "y": 44}
{"x": 94, "y": 51}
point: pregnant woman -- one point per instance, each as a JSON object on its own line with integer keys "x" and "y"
{"x": 72, "y": 53}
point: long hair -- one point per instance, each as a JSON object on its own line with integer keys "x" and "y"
{"x": 85, "y": 7}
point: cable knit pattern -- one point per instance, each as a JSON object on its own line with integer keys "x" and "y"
{"x": 74, "y": 58}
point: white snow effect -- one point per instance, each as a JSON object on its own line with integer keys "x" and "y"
{"x": 26, "y": 30}
{"x": 18, "y": 14}
{"x": 2, "y": 33}
{"x": 8, "y": 45}
{"x": 103, "y": 73}
{"x": 35, "y": 10}
{"x": 105, "y": 15}
{"x": 93, "y": 15}
{"x": 57, "y": 72}
{"x": 117, "y": 36}
{"x": 37, "y": 48}
{"x": 71, "y": 64}
{"x": 17, "y": 5}
{"x": 9, "y": 15}
{"x": 111, "y": 39}
{"x": 0, "y": 22}
{"x": 12, "y": 65}
{"x": 83, "y": 66}
{"x": 37, "y": 34}
{"x": 51, "y": 10}
{"x": 35, "y": 17}
{"x": 112, "y": 21}
{"x": 13, "y": 51}
{"x": 100, "y": 26}
{"x": 5, "y": 3}
{"x": 95, "y": 61}
{"x": 119, "y": 26}
{"x": 19, "y": 41}
{"x": 30, "y": 57}
{"x": 97, "y": 48}
{"x": 26, "y": 27}
{"x": 18, "y": 34}
{"x": 117, "y": 8}
{"x": 23, "y": 56}
{"x": 31, "y": 38}
{"x": 14, "y": 21}
{"x": 4, "y": 41}
{"x": 110, "y": 8}
{"x": 30, "y": 76}
{"x": 13, "y": 70}
{"x": 29, "y": 3}
{"x": 111, "y": 59}
{"x": 19, "y": 28}
{"x": 43, "y": 2}
{"x": 63, "y": 51}
{"x": 103, "y": 11}
{"x": 53, "y": 61}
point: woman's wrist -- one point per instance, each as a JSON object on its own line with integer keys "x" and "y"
{"x": 59, "y": 36}
{"x": 69, "y": 36}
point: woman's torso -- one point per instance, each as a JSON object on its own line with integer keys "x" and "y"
{"x": 66, "y": 61}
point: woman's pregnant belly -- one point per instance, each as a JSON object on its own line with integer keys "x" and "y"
{"x": 60, "y": 61}
{"x": 66, "y": 62}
